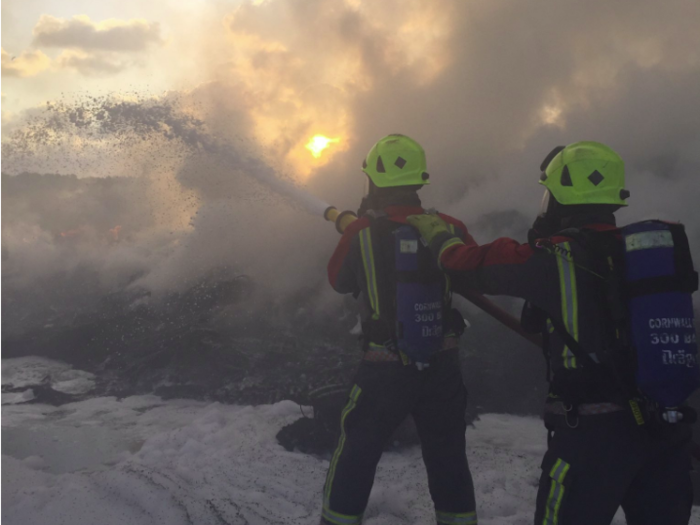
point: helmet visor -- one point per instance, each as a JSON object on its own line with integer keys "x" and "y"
{"x": 544, "y": 205}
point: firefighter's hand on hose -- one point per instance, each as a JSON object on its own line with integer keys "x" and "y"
{"x": 429, "y": 225}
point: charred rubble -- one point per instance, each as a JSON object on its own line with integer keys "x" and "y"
{"x": 205, "y": 342}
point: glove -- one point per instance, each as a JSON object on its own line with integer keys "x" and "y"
{"x": 429, "y": 225}
{"x": 541, "y": 229}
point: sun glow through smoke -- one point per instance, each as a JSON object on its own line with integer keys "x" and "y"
{"x": 318, "y": 143}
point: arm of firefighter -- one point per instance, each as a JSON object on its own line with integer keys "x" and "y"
{"x": 345, "y": 263}
{"x": 460, "y": 229}
{"x": 502, "y": 267}
{"x": 436, "y": 231}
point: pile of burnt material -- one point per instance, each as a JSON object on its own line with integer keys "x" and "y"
{"x": 206, "y": 342}
{"x": 223, "y": 338}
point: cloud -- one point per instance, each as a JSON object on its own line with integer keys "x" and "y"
{"x": 27, "y": 64}
{"x": 95, "y": 48}
{"x": 91, "y": 64}
{"x": 4, "y": 115}
{"x": 80, "y": 32}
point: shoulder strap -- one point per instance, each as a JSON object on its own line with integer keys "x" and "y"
{"x": 573, "y": 345}
{"x": 376, "y": 214}
{"x": 370, "y": 268}
{"x": 380, "y": 328}
{"x": 379, "y": 225}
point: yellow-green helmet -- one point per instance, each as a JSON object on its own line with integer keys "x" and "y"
{"x": 585, "y": 173}
{"x": 396, "y": 160}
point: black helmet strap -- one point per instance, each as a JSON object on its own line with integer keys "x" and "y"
{"x": 550, "y": 156}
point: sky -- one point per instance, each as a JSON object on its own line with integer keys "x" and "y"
{"x": 62, "y": 47}
{"x": 487, "y": 87}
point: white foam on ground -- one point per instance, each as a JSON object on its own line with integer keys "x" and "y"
{"x": 30, "y": 371}
{"x": 186, "y": 462}
{"x": 73, "y": 382}
{"x": 15, "y": 398}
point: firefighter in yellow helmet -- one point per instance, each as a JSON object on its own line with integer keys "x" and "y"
{"x": 409, "y": 340}
{"x": 602, "y": 297}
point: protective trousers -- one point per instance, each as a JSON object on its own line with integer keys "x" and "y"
{"x": 382, "y": 397}
{"x": 609, "y": 461}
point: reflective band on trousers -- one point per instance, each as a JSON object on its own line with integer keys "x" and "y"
{"x": 341, "y": 519}
{"x": 370, "y": 272}
{"x": 456, "y": 518}
{"x": 569, "y": 300}
{"x": 328, "y": 514}
{"x": 556, "y": 492}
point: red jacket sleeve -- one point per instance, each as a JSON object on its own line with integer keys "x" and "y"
{"x": 462, "y": 231}
{"x": 502, "y": 267}
{"x": 470, "y": 256}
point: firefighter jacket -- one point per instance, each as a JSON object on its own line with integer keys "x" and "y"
{"x": 557, "y": 277}
{"x": 353, "y": 267}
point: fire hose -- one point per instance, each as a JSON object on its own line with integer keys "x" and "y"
{"x": 343, "y": 219}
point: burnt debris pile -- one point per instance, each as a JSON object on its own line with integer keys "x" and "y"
{"x": 218, "y": 339}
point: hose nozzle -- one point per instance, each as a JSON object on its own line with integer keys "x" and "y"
{"x": 342, "y": 219}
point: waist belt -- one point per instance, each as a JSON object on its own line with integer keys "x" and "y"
{"x": 380, "y": 354}
{"x": 584, "y": 409}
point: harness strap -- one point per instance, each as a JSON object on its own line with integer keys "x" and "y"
{"x": 386, "y": 302}
{"x": 572, "y": 343}
{"x": 380, "y": 354}
{"x": 584, "y": 409}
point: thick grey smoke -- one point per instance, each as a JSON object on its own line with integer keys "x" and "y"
{"x": 489, "y": 88}
{"x": 523, "y": 78}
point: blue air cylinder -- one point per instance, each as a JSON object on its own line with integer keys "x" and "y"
{"x": 662, "y": 325}
{"x": 419, "y": 302}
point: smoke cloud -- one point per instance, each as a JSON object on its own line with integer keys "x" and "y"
{"x": 487, "y": 88}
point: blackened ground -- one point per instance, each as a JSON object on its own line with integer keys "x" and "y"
{"x": 224, "y": 339}
{"x": 202, "y": 343}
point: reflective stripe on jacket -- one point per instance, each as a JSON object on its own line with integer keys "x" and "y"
{"x": 555, "y": 279}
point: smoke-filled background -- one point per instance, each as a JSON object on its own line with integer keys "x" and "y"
{"x": 164, "y": 167}
{"x": 160, "y": 192}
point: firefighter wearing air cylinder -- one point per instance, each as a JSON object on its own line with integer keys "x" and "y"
{"x": 409, "y": 339}
{"x": 614, "y": 308}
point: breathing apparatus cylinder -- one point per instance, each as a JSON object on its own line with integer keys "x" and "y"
{"x": 343, "y": 219}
